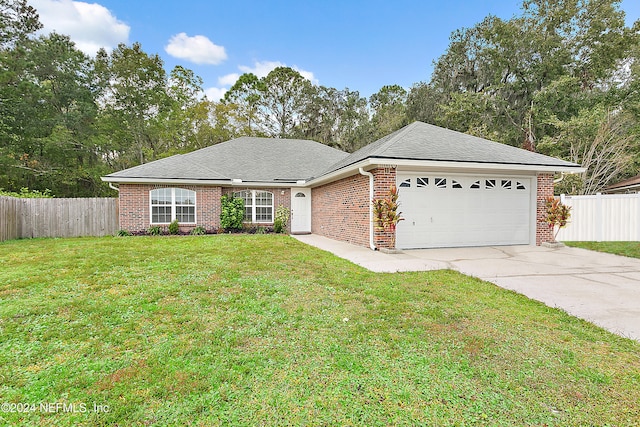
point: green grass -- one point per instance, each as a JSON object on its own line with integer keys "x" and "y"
{"x": 263, "y": 330}
{"x": 629, "y": 249}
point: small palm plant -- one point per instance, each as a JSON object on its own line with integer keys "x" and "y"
{"x": 385, "y": 213}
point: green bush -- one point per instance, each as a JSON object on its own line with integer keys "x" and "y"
{"x": 25, "y": 193}
{"x": 232, "y": 213}
{"x": 281, "y": 220}
{"x": 198, "y": 231}
{"x": 154, "y": 230}
{"x": 123, "y": 233}
{"x": 174, "y": 227}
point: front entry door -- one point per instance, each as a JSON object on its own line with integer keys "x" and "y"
{"x": 300, "y": 210}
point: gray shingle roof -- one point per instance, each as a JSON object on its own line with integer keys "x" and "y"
{"x": 422, "y": 141}
{"x": 271, "y": 160}
{"x": 250, "y": 159}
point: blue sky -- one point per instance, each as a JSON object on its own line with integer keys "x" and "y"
{"x": 362, "y": 45}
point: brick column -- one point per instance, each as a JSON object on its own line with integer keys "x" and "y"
{"x": 383, "y": 179}
{"x": 545, "y": 189}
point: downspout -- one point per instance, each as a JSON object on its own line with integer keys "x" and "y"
{"x": 370, "y": 175}
{"x": 114, "y": 188}
{"x": 555, "y": 181}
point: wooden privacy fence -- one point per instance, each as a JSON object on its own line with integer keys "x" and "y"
{"x": 602, "y": 218}
{"x": 24, "y": 218}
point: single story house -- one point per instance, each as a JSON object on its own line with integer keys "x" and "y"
{"x": 454, "y": 189}
{"x": 627, "y": 186}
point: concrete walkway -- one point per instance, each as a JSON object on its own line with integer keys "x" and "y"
{"x": 601, "y": 288}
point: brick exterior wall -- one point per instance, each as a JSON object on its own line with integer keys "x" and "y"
{"x": 135, "y": 211}
{"x": 135, "y": 215}
{"x": 545, "y": 189}
{"x": 340, "y": 210}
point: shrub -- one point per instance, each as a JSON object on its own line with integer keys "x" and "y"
{"x": 232, "y": 213}
{"x": 123, "y": 233}
{"x": 385, "y": 213}
{"x": 154, "y": 230}
{"x": 174, "y": 227}
{"x": 198, "y": 231}
{"x": 25, "y": 193}
{"x": 281, "y": 220}
{"x": 558, "y": 214}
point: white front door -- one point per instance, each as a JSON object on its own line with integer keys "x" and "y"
{"x": 300, "y": 210}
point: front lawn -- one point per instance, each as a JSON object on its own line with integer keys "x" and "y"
{"x": 264, "y": 330}
{"x": 630, "y": 249}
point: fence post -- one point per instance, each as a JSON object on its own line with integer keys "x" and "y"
{"x": 636, "y": 199}
{"x": 599, "y": 223}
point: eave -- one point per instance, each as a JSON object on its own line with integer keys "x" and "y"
{"x": 209, "y": 182}
{"x": 444, "y": 166}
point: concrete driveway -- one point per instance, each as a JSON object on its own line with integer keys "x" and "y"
{"x": 601, "y": 288}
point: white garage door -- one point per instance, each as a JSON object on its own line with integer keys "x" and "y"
{"x": 448, "y": 211}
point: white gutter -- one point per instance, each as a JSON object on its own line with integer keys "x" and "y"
{"x": 180, "y": 181}
{"x": 506, "y": 167}
{"x": 442, "y": 166}
{"x": 113, "y": 187}
{"x": 370, "y": 175}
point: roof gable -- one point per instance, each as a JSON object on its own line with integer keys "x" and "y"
{"x": 422, "y": 141}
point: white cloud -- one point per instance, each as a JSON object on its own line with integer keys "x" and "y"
{"x": 90, "y": 26}
{"x": 197, "y": 49}
{"x": 215, "y": 93}
{"x": 262, "y": 68}
{"x": 229, "y": 79}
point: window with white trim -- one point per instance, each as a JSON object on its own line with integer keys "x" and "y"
{"x": 258, "y": 205}
{"x": 168, "y": 204}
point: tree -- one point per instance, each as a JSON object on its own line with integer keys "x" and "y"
{"x": 18, "y": 21}
{"x": 335, "y": 117}
{"x": 186, "y": 124}
{"x": 599, "y": 140}
{"x": 245, "y": 98}
{"x": 500, "y": 67}
{"x": 56, "y": 85}
{"x": 135, "y": 98}
{"x": 283, "y": 100}
{"x": 389, "y": 110}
